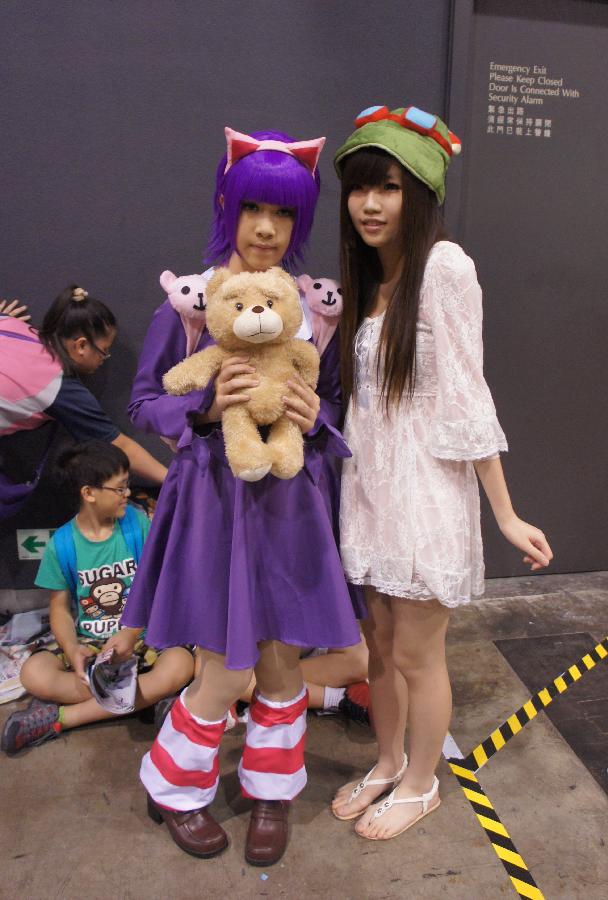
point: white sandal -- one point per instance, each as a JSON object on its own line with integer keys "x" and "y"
{"x": 365, "y": 783}
{"x": 390, "y": 801}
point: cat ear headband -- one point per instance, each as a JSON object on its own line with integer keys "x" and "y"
{"x": 239, "y": 145}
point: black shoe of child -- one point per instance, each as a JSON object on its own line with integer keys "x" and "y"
{"x": 355, "y": 704}
{"x": 161, "y": 709}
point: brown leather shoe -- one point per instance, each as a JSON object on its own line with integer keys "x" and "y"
{"x": 194, "y": 831}
{"x": 267, "y": 834}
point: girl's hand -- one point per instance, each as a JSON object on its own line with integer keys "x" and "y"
{"x": 302, "y": 406}
{"x": 77, "y": 655}
{"x": 529, "y": 539}
{"x": 235, "y": 376}
{"x": 13, "y": 309}
{"x": 123, "y": 643}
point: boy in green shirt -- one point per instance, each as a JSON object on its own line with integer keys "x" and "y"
{"x": 89, "y": 586}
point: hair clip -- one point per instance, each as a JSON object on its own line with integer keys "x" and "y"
{"x": 79, "y": 294}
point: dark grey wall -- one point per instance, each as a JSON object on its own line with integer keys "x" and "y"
{"x": 533, "y": 216}
{"x": 113, "y": 125}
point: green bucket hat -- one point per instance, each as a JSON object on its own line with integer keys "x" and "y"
{"x": 418, "y": 140}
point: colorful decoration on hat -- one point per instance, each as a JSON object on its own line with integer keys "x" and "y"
{"x": 239, "y": 145}
{"x": 456, "y": 143}
{"x": 416, "y": 120}
{"x": 420, "y": 141}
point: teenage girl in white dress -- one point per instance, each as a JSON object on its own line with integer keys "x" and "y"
{"x": 422, "y": 428}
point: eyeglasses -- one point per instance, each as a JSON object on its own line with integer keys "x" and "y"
{"x": 122, "y": 491}
{"x": 103, "y": 353}
{"x": 412, "y": 118}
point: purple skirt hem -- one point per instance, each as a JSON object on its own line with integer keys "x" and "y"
{"x": 228, "y": 564}
{"x": 251, "y": 665}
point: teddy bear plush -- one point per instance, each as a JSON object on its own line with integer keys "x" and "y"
{"x": 324, "y": 301}
{"x": 186, "y": 295}
{"x": 257, "y": 313}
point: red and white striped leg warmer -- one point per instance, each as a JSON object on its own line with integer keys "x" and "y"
{"x": 181, "y": 771}
{"x": 272, "y": 766}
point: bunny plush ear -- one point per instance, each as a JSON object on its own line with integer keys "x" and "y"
{"x": 167, "y": 280}
{"x": 304, "y": 282}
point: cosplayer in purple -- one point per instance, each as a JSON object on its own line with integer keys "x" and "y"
{"x": 249, "y": 572}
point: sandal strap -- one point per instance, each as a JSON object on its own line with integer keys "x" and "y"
{"x": 402, "y": 769}
{"x": 367, "y": 781}
{"x": 425, "y": 799}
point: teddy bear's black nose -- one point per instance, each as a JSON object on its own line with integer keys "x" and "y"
{"x": 258, "y": 309}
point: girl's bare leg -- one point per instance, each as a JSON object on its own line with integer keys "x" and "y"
{"x": 277, "y": 672}
{"x": 419, "y": 655}
{"x": 389, "y": 698}
{"x": 215, "y": 688}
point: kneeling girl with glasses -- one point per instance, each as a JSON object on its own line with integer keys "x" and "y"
{"x": 40, "y": 385}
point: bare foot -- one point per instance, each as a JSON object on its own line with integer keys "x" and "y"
{"x": 381, "y": 822}
{"x": 353, "y": 798}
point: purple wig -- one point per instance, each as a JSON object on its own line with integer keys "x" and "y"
{"x": 267, "y": 176}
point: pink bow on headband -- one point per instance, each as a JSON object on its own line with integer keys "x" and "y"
{"x": 239, "y": 145}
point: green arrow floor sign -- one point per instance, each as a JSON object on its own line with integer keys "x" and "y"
{"x": 32, "y": 541}
{"x": 31, "y": 544}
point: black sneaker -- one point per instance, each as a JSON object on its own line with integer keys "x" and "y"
{"x": 161, "y": 710}
{"x": 355, "y": 704}
{"x": 241, "y": 707}
{"x": 37, "y": 723}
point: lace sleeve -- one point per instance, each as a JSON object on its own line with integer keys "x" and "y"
{"x": 465, "y": 426}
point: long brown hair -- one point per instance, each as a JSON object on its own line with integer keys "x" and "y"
{"x": 421, "y": 226}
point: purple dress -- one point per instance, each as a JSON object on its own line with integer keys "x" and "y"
{"x": 229, "y": 563}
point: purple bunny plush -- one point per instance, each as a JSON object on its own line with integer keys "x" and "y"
{"x": 324, "y": 301}
{"x": 187, "y": 297}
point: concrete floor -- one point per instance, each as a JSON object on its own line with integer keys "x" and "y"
{"x": 74, "y": 822}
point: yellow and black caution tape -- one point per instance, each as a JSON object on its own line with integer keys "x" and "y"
{"x": 497, "y": 834}
{"x": 465, "y": 769}
{"x": 478, "y": 757}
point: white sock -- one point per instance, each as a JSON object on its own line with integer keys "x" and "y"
{"x": 332, "y": 697}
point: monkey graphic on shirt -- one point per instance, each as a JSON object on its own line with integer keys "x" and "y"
{"x": 108, "y": 595}
{"x": 103, "y": 606}
{"x": 103, "y": 592}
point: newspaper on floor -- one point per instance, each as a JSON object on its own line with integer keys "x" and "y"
{"x": 20, "y": 636}
{"x": 10, "y": 669}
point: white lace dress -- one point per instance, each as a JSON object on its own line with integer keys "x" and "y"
{"x": 409, "y": 519}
